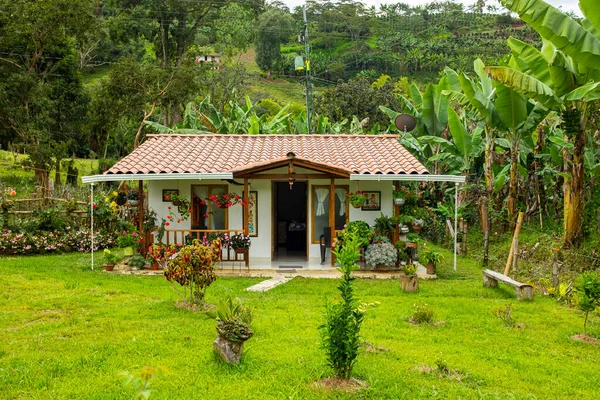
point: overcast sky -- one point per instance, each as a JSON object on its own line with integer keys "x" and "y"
{"x": 567, "y": 5}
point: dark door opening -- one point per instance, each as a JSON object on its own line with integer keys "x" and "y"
{"x": 290, "y": 221}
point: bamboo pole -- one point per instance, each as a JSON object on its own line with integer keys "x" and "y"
{"x": 514, "y": 245}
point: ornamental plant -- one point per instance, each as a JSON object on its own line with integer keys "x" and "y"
{"x": 588, "y": 295}
{"x": 194, "y": 269}
{"x": 357, "y": 199}
{"x": 381, "y": 254}
{"x": 239, "y": 241}
{"x": 340, "y": 333}
{"x": 129, "y": 239}
{"x": 184, "y": 211}
{"x": 111, "y": 258}
{"x": 432, "y": 256}
{"x": 359, "y": 229}
{"x": 160, "y": 253}
{"x": 226, "y": 200}
{"x": 233, "y": 320}
{"x": 6, "y": 197}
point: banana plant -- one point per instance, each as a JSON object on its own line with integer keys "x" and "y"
{"x": 563, "y": 76}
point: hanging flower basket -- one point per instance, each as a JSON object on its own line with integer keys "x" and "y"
{"x": 357, "y": 199}
{"x": 225, "y": 200}
{"x": 133, "y": 203}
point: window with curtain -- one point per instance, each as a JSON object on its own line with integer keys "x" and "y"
{"x": 208, "y": 216}
{"x": 320, "y": 209}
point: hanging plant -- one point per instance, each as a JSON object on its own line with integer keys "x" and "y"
{"x": 357, "y": 199}
{"x": 226, "y": 200}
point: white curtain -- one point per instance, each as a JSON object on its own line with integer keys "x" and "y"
{"x": 201, "y": 192}
{"x": 341, "y": 195}
{"x": 321, "y": 196}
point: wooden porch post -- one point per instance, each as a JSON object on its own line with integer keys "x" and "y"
{"x": 246, "y": 215}
{"x": 143, "y": 244}
{"x": 332, "y": 211}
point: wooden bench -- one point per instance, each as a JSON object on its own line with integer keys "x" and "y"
{"x": 491, "y": 278}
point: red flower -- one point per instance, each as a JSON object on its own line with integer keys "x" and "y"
{"x": 167, "y": 197}
{"x": 357, "y": 192}
{"x": 168, "y": 217}
{"x": 167, "y": 223}
{"x": 202, "y": 202}
{"x": 169, "y": 207}
{"x": 190, "y": 210}
{"x": 205, "y": 215}
{"x": 94, "y": 206}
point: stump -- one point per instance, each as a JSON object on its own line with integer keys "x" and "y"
{"x": 410, "y": 283}
{"x": 229, "y": 351}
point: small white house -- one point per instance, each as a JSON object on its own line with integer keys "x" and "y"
{"x": 297, "y": 186}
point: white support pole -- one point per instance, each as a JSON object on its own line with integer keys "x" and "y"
{"x": 455, "y": 221}
{"x": 92, "y": 220}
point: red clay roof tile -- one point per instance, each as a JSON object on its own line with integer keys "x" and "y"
{"x": 361, "y": 154}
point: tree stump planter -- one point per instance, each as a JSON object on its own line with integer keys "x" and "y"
{"x": 410, "y": 283}
{"x": 228, "y": 350}
{"x": 230, "y": 342}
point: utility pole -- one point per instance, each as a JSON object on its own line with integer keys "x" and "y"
{"x": 307, "y": 65}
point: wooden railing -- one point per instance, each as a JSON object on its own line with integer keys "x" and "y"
{"x": 228, "y": 254}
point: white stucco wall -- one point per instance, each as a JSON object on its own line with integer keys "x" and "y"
{"x": 260, "y": 252}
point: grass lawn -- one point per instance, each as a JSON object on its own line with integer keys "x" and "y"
{"x": 67, "y": 332}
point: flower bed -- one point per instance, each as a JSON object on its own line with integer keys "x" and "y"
{"x": 73, "y": 239}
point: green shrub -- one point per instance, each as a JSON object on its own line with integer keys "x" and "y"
{"x": 505, "y": 314}
{"x": 422, "y": 314}
{"x": 340, "y": 332}
{"x": 136, "y": 261}
{"x": 588, "y": 294}
{"x": 271, "y": 106}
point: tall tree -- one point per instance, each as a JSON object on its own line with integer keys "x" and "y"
{"x": 41, "y": 97}
{"x": 273, "y": 27}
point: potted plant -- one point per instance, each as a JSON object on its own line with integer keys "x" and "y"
{"x": 178, "y": 200}
{"x": 225, "y": 200}
{"x": 128, "y": 241}
{"x": 432, "y": 259}
{"x": 133, "y": 198}
{"x": 384, "y": 225}
{"x": 381, "y": 255}
{"x": 409, "y": 280}
{"x": 137, "y": 261}
{"x": 159, "y": 254}
{"x": 356, "y": 199}
{"x": 120, "y": 198}
{"x": 412, "y": 240}
{"x": 239, "y": 243}
{"x": 110, "y": 259}
{"x": 401, "y": 195}
{"x": 233, "y": 328}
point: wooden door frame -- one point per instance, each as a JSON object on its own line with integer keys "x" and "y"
{"x": 274, "y": 205}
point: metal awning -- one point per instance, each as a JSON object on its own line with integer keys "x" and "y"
{"x": 156, "y": 177}
{"x": 408, "y": 177}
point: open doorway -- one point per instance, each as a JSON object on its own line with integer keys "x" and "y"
{"x": 290, "y": 210}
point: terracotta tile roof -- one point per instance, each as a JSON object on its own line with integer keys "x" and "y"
{"x": 358, "y": 154}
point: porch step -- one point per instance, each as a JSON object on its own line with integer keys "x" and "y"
{"x": 269, "y": 284}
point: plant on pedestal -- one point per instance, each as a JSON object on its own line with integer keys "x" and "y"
{"x": 233, "y": 327}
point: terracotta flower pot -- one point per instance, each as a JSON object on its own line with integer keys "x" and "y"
{"x": 108, "y": 267}
{"x": 154, "y": 266}
{"x": 430, "y": 268}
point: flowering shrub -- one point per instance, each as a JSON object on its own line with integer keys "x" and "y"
{"x": 381, "y": 254}
{"x": 226, "y": 200}
{"x": 357, "y": 199}
{"x": 239, "y": 241}
{"x": 6, "y": 197}
{"x": 72, "y": 239}
{"x": 194, "y": 269}
{"x": 185, "y": 211}
{"x": 129, "y": 239}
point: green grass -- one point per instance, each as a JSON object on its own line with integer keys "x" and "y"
{"x": 68, "y": 331}
{"x": 13, "y": 173}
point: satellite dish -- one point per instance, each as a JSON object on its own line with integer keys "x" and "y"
{"x": 405, "y": 122}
